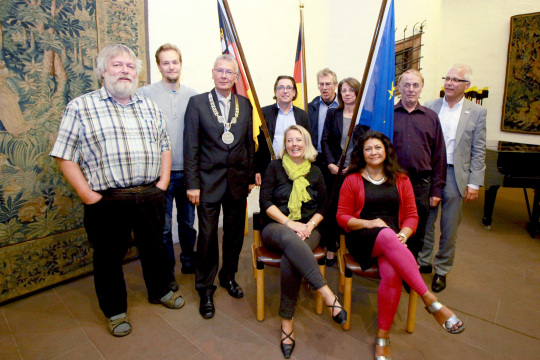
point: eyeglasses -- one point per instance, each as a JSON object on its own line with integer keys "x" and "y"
{"x": 222, "y": 72}
{"x": 323, "y": 85}
{"x": 455, "y": 80}
{"x": 284, "y": 88}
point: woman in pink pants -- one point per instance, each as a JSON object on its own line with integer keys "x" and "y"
{"x": 378, "y": 211}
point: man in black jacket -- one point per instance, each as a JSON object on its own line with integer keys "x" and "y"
{"x": 279, "y": 117}
{"x": 318, "y": 107}
{"x": 219, "y": 153}
{"x": 317, "y": 110}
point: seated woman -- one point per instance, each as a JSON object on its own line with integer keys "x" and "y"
{"x": 377, "y": 210}
{"x": 293, "y": 197}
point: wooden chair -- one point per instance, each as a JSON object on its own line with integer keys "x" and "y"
{"x": 348, "y": 267}
{"x": 262, "y": 256}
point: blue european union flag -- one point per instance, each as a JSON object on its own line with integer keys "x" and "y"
{"x": 378, "y": 102}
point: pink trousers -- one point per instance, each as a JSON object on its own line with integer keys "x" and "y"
{"x": 396, "y": 263}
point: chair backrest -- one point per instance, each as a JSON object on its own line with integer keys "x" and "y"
{"x": 257, "y": 226}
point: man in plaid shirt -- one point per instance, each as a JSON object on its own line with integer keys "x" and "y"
{"x": 113, "y": 148}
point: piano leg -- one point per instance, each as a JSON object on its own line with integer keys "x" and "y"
{"x": 489, "y": 204}
{"x": 534, "y": 226}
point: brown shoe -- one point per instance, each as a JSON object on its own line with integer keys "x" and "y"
{"x": 113, "y": 324}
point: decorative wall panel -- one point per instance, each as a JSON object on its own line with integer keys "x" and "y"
{"x": 521, "y": 106}
{"x": 47, "y": 57}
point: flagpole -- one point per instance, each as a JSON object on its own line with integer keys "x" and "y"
{"x": 304, "y": 85}
{"x": 359, "y": 96}
{"x": 250, "y": 81}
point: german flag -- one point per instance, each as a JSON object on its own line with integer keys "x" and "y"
{"x": 300, "y": 69}
{"x": 228, "y": 46}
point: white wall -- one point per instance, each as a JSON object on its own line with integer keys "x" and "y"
{"x": 480, "y": 32}
{"x": 338, "y": 35}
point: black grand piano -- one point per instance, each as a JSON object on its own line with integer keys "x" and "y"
{"x": 512, "y": 165}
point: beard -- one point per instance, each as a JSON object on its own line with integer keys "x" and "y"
{"x": 172, "y": 78}
{"x": 119, "y": 89}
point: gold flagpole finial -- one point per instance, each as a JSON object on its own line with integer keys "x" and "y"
{"x": 300, "y": 4}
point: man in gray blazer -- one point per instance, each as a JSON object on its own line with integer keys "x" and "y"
{"x": 464, "y": 128}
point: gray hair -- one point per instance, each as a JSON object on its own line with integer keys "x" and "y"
{"x": 111, "y": 51}
{"x": 327, "y": 72}
{"x": 467, "y": 70}
{"x": 414, "y": 72}
{"x": 227, "y": 57}
{"x": 310, "y": 153}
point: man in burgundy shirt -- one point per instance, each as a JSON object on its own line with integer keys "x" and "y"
{"x": 419, "y": 145}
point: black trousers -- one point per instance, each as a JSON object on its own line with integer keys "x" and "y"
{"x": 109, "y": 224}
{"x": 329, "y": 228}
{"x": 234, "y": 219}
{"x": 297, "y": 262}
{"x": 421, "y": 188}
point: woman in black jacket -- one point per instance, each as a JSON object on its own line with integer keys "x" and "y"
{"x": 336, "y": 129}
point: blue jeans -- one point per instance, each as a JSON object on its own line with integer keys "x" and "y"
{"x": 185, "y": 217}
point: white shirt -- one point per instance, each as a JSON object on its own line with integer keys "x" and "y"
{"x": 283, "y": 121}
{"x": 224, "y": 109}
{"x": 449, "y": 119}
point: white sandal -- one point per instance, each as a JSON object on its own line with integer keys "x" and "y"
{"x": 382, "y": 342}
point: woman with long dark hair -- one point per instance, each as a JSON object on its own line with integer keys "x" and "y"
{"x": 377, "y": 209}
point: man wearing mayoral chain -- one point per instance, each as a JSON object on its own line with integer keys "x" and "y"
{"x": 219, "y": 156}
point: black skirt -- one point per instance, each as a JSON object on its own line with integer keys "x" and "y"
{"x": 381, "y": 202}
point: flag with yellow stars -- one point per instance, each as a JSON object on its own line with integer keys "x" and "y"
{"x": 377, "y": 104}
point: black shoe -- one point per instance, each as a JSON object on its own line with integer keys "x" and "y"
{"x": 173, "y": 285}
{"x": 287, "y": 349}
{"x": 340, "y": 317}
{"x": 439, "y": 283}
{"x": 232, "y": 287}
{"x": 187, "y": 268}
{"x": 331, "y": 262}
{"x": 426, "y": 269}
{"x": 206, "y": 307}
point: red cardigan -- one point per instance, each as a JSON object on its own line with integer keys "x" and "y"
{"x": 351, "y": 201}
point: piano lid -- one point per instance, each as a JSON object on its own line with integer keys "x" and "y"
{"x": 507, "y": 146}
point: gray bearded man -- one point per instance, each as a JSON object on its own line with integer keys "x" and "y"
{"x": 114, "y": 150}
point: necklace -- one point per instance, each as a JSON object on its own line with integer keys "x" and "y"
{"x": 375, "y": 182}
{"x": 227, "y": 136}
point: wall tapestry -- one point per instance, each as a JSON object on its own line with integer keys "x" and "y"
{"x": 521, "y": 106}
{"x": 48, "y": 53}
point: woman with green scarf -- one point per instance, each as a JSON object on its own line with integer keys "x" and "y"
{"x": 293, "y": 197}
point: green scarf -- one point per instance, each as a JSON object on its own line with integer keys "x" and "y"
{"x": 299, "y": 193}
